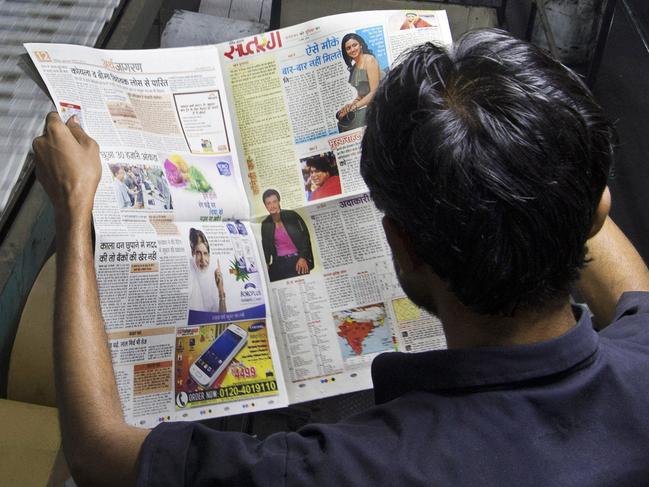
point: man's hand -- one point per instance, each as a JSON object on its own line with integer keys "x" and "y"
{"x": 100, "y": 448}
{"x": 68, "y": 167}
{"x": 301, "y": 266}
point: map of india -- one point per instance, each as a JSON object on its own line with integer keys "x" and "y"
{"x": 362, "y": 331}
{"x": 355, "y": 333}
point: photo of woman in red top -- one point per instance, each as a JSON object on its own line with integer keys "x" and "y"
{"x": 323, "y": 180}
{"x": 414, "y": 21}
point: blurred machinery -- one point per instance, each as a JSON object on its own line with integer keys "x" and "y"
{"x": 22, "y": 104}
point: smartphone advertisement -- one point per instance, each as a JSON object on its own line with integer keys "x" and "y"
{"x": 223, "y": 362}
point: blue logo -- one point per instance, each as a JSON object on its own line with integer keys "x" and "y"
{"x": 257, "y": 326}
{"x": 242, "y": 228}
{"x": 224, "y": 168}
{"x": 250, "y": 285}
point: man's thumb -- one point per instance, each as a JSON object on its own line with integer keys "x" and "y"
{"x": 76, "y": 130}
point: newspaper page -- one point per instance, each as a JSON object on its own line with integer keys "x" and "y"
{"x": 230, "y": 188}
{"x": 179, "y": 272}
{"x": 300, "y": 99}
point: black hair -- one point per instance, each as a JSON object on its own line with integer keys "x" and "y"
{"x": 268, "y": 193}
{"x": 361, "y": 41}
{"x": 323, "y": 162}
{"x": 197, "y": 237}
{"x": 492, "y": 157}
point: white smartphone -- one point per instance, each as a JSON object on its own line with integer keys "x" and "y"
{"x": 218, "y": 356}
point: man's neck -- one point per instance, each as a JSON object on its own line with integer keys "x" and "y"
{"x": 465, "y": 329}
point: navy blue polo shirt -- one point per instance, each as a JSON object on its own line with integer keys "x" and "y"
{"x": 572, "y": 411}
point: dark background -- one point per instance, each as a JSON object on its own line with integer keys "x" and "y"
{"x": 622, "y": 87}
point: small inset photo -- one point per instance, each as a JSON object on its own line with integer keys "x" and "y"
{"x": 413, "y": 20}
{"x": 224, "y": 362}
{"x": 285, "y": 239}
{"x": 68, "y": 110}
{"x": 363, "y": 331}
{"x": 321, "y": 179}
{"x": 140, "y": 187}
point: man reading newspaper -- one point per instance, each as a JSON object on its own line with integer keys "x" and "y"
{"x": 490, "y": 161}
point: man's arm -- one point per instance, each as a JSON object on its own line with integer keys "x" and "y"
{"x": 101, "y": 449}
{"x": 616, "y": 267}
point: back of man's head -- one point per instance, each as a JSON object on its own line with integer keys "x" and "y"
{"x": 492, "y": 158}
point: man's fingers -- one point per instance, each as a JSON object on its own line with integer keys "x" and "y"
{"x": 36, "y": 143}
{"x": 52, "y": 120}
{"x": 38, "y": 147}
{"x": 53, "y": 124}
{"x": 78, "y": 132}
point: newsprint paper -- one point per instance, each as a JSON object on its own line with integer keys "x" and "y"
{"x": 216, "y": 300}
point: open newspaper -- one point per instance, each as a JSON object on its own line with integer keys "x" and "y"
{"x": 241, "y": 263}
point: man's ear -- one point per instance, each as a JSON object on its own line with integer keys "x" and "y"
{"x": 601, "y": 212}
{"x": 401, "y": 246}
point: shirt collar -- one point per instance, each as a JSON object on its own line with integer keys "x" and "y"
{"x": 395, "y": 374}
